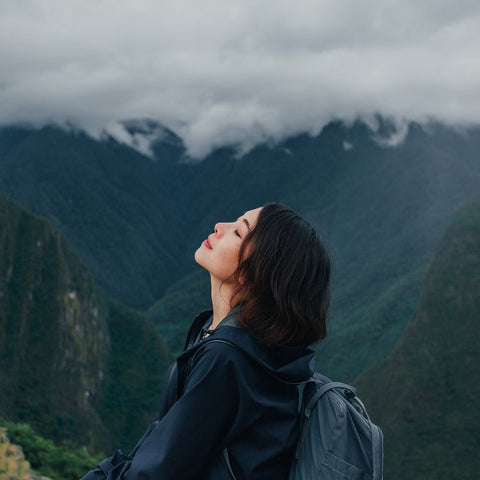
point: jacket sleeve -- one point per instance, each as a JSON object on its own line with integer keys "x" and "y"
{"x": 199, "y": 424}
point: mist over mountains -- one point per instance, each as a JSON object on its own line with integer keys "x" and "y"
{"x": 147, "y": 128}
{"x": 239, "y": 74}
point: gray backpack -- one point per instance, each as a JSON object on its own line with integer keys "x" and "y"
{"x": 337, "y": 439}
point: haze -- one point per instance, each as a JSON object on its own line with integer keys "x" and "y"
{"x": 238, "y": 72}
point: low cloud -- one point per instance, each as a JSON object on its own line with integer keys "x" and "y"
{"x": 240, "y": 72}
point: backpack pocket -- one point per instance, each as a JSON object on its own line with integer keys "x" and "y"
{"x": 346, "y": 469}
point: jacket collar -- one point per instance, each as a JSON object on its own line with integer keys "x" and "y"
{"x": 292, "y": 364}
{"x": 197, "y": 325}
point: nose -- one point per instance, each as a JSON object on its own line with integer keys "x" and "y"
{"x": 219, "y": 228}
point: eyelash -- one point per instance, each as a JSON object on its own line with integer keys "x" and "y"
{"x": 236, "y": 232}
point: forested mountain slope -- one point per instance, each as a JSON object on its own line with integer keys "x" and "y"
{"x": 425, "y": 395}
{"x": 73, "y": 363}
{"x": 137, "y": 221}
{"x": 380, "y": 210}
{"x": 112, "y": 204}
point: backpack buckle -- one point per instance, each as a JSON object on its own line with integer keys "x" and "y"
{"x": 349, "y": 394}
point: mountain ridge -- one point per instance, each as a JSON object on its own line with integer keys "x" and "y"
{"x": 380, "y": 209}
{"x": 425, "y": 394}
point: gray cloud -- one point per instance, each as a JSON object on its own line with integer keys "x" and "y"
{"x": 237, "y": 72}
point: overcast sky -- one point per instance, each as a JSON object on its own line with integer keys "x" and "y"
{"x": 238, "y": 71}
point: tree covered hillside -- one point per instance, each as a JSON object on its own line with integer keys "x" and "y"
{"x": 380, "y": 210}
{"x": 137, "y": 221}
{"x": 425, "y": 395}
{"x": 112, "y": 204}
{"x": 72, "y": 363}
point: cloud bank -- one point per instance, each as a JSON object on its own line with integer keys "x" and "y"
{"x": 238, "y": 72}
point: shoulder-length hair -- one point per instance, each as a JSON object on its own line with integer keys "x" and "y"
{"x": 282, "y": 280}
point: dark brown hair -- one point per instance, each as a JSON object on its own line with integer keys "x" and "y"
{"x": 282, "y": 280}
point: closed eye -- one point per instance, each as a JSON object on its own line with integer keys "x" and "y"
{"x": 237, "y": 234}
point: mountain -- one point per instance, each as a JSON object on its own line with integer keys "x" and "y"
{"x": 173, "y": 313}
{"x": 137, "y": 220}
{"x": 111, "y": 202}
{"x": 73, "y": 363}
{"x": 425, "y": 395}
{"x": 381, "y": 211}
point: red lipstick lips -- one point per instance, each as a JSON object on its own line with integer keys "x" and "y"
{"x": 207, "y": 244}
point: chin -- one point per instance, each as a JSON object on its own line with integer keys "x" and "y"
{"x": 198, "y": 256}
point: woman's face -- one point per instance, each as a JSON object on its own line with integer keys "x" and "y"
{"x": 219, "y": 252}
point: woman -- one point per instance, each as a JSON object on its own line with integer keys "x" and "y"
{"x": 229, "y": 407}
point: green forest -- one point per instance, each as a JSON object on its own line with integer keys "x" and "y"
{"x": 98, "y": 284}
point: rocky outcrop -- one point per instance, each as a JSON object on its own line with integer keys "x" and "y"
{"x": 13, "y": 465}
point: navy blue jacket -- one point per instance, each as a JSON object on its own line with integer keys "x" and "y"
{"x": 228, "y": 411}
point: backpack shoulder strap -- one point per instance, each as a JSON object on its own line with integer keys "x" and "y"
{"x": 323, "y": 390}
{"x": 377, "y": 452}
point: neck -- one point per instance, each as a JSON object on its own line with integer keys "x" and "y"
{"x": 221, "y": 295}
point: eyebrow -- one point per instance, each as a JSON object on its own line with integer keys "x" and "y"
{"x": 246, "y": 222}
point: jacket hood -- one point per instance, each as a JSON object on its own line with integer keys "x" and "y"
{"x": 290, "y": 364}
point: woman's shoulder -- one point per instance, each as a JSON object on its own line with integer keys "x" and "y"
{"x": 221, "y": 353}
